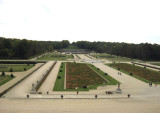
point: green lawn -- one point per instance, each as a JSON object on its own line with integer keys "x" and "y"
{"x": 14, "y": 67}
{"x": 4, "y": 79}
{"x": 141, "y": 73}
{"x": 59, "y": 85}
{"x": 111, "y": 80}
{"x": 56, "y": 56}
{"x": 157, "y": 64}
{"x": 112, "y": 57}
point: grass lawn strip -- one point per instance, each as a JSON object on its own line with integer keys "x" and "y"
{"x": 59, "y": 84}
{"x": 65, "y": 80}
{"x": 56, "y": 56}
{"x": 15, "y": 67}
{"x": 111, "y": 80}
{"x": 146, "y": 75}
{"x": 98, "y": 74}
{"x": 5, "y": 79}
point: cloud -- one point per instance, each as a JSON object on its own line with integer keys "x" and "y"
{"x": 94, "y": 20}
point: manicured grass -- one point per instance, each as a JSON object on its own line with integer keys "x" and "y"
{"x": 4, "y": 79}
{"x": 144, "y": 74}
{"x": 59, "y": 84}
{"x": 111, "y": 80}
{"x": 112, "y": 57}
{"x": 15, "y": 67}
{"x": 56, "y": 56}
{"x": 80, "y": 73}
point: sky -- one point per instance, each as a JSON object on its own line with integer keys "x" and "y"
{"x": 131, "y": 21}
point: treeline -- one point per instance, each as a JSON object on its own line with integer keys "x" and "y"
{"x": 143, "y": 51}
{"x": 23, "y": 49}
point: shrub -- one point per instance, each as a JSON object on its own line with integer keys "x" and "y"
{"x": 59, "y": 77}
{"x": 97, "y": 68}
{"x": 105, "y": 74}
{"x": 28, "y": 64}
{"x": 24, "y": 69}
{"x": 11, "y": 70}
{"x": 144, "y": 66}
{"x": 60, "y": 70}
{"x": 131, "y": 74}
{"x": 12, "y": 76}
{"x": 85, "y": 86}
{"x": 118, "y": 68}
{"x": 3, "y": 73}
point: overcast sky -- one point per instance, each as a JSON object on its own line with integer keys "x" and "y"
{"x": 132, "y": 21}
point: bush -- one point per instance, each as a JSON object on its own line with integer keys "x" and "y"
{"x": 3, "y": 73}
{"x": 59, "y": 77}
{"x": 24, "y": 69}
{"x": 12, "y": 76}
{"x": 144, "y": 66}
{"x": 61, "y": 66}
{"x": 110, "y": 65}
{"x": 11, "y": 70}
{"x": 118, "y": 68}
{"x": 97, "y": 68}
{"x": 60, "y": 70}
{"x": 105, "y": 74}
{"x": 28, "y": 64}
{"x": 131, "y": 74}
{"x": 85, "y": 86}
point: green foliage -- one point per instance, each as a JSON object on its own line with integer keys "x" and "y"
{"x": 144, "y": 51}
{"x": 12, "y": 76}
{"x": 59, "y": 77}
{"x": 23, "y": 49}
{"x": 3, "y": 73}
{"x": 11, "y": 70}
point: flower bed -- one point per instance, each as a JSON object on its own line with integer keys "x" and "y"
{"x": 81, "y": 75}
{"x": 153, "y": 76}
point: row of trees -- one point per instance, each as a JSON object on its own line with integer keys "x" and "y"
{"x": 23, "y": 49}
{"x": 143, "y": 51}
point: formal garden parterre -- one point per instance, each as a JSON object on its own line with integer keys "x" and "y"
{"x": 142, "y": 73}
{"x": 81, "y": 75}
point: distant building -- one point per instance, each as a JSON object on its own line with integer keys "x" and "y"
{"x": 75, "y": 51}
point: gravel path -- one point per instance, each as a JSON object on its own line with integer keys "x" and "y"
{"x": 25, "y": 86}
{"x": 51, "y": 79}
{"x": 144, "y": 99}
{"x": 19, "y": 76}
